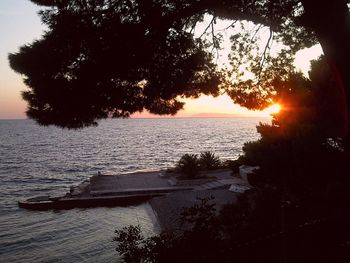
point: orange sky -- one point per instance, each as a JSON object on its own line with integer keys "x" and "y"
{"x": 20, "y": 24}
{"x": 206, "y": 106}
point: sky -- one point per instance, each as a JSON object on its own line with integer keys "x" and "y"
{"x": 20, "y": 24}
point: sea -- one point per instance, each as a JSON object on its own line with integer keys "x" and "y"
{"x": 37, "y": 160}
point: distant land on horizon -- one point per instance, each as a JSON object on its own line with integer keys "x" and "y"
{"x": 197, "y": 115}
{"x": 219, "y": 115}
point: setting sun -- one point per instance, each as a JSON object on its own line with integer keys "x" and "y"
{"x": 273, "y": 109}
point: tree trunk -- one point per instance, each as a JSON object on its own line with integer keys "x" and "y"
{"x": 330, "y": 20}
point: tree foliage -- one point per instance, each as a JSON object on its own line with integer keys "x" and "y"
{"x": 302, "y": 152}
{"x": 208, "y": 161}
{"x": 103, "y": 58}
{"x": 261, "y": 224}
{"x": 188, "y": 166}
{"x": 298, "y": 210}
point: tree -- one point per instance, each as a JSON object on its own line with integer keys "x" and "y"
{"x": 104, "y": 58}
{"x": 297, "y": 212}
{"x": 208, "y": 161}
{"x": 188, "y": 166}
{"x": 301, "y": 152}
{"x": 247, "y": 231}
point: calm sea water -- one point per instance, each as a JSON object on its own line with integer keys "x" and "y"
{"x": 37, "y": 160}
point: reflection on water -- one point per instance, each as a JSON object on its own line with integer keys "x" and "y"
{"x": 40, "y": 160}
{"x": 77, "y": 235}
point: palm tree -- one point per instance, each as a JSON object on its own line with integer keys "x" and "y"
{"x": 208, "y": 161}
{"x": 188, "y": 165}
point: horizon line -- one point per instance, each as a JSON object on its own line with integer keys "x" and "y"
{"x": 168, "y": 117}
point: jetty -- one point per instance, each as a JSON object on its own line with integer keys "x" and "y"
{"x": 131, "y": 189}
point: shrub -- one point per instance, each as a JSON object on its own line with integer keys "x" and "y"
{"x": 234, "y": 164}
{"x": 188, "y": 166}
{"x": 200, "y": 243}
{"x": 208, "y": 161}
{"x": 252, "y": 228}
{"x": 131, "y": 244}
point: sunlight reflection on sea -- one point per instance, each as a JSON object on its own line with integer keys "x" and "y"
{"x": 38, "y": 160}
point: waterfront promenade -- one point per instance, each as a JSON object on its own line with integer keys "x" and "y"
{"x": 129, "y": 189}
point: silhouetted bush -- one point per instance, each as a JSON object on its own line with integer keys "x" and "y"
{"x": 234, "y": 164}
{"x": 260, "y": 225}
{"x": 208, "y": 161}
{"x": 196, "y": 244}
{"x": 188, "y": 166}
{"x": 131, "y": 244}
{"x": 299, "y": 209}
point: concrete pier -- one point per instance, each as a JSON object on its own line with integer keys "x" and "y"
{"x": 126, "y": 189}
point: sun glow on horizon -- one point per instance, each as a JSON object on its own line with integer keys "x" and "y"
{"x": 222, "y": 106}
{"x": 272, "y": 109}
